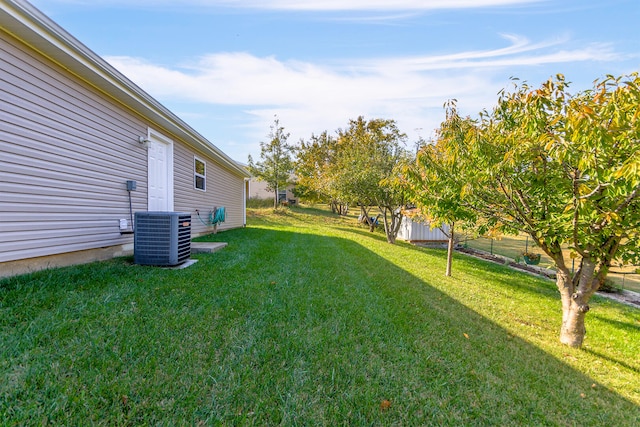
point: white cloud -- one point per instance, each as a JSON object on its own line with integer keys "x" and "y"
{"x": 240, "y": 78}
{"x": 311, "y": 97}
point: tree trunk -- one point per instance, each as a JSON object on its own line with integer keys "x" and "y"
{"x": 397, "y": 222}
{"x": 364, "y": 214}
{"x": 575, "y": 294}
{"x": 385, "y": 221}
{"x": 450, "y": 250}
{"x": 573, "y": 330}
{"x": 275, "y": 199}
{"x": 391, "y": 228}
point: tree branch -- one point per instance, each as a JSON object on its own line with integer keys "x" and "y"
{"x": 526, "y": 216}
{"x": 576, "y": 214}
{"x": 600, "y": 187}
{"x": 632, "y": 196}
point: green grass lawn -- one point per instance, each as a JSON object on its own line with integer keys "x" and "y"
{"x": 307, "y": 319}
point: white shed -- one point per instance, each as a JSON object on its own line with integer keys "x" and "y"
{"x": 421, "y": 232}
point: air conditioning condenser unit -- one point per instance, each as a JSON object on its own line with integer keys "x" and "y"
{"x": 162, "y": 238}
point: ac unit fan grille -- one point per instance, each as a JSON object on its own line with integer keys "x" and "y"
{"x": 162, "y": 238}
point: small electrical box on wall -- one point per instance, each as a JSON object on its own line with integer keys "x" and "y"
{"x": 131, "y": 185}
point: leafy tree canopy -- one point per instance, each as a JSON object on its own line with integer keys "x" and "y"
{"x": 435, "y": 181}
{"x": 564, "y": 169}
{"x": 368, "y": 153}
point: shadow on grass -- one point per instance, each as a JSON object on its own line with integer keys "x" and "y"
{"x": 363, "y": 231}
{"x": 499, "y": 273}
{"x": 407, "y": 341}
{"x": 613, "y": 360}
{"x": 629, "y": 326}
{"x": 279, "y": 328}
{"x": 316, "y": 211}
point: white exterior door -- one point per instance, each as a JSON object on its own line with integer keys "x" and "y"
{"x": 160, "y": 170}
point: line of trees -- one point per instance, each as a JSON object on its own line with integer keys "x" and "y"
{"x": 357, "y": 167}
{"x": 562, "y": 168}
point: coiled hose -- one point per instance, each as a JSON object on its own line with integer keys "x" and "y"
{"x": 217, "y": 215}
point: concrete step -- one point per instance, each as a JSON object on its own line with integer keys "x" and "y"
{"x": 206, "y": 247}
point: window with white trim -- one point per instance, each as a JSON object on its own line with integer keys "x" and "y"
{"x": 199, "y": 174}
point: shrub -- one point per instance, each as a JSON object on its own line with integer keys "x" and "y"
{"x": 610, "y": 286}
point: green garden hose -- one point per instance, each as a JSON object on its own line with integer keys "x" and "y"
{"x": 217, "y": 215}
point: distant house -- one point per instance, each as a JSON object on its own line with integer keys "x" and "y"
{"x": 73, "y": 131}
{"x": 258, "y": 190}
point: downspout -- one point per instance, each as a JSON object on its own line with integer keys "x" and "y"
{"x": 244, "y": 200}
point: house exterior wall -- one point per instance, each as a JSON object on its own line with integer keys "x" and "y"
{"x": 223, "y": 189}
{"x": 66, "y": 152}
{"x": 258, "y": 190}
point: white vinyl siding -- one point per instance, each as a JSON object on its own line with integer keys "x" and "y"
{"x": 65, "y": 155}
{"x": 66, "y": 152}
{"x": 224, "y": 189}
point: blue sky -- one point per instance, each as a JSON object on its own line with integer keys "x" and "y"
{"x": 227, "y": 67}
